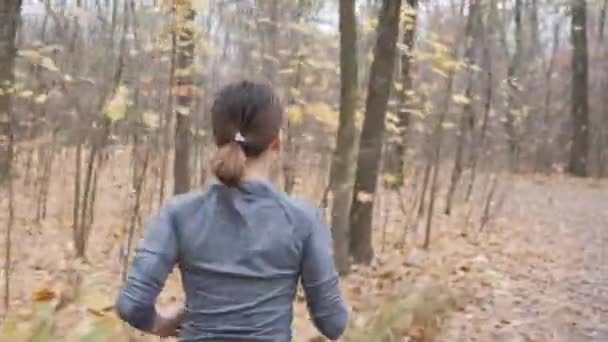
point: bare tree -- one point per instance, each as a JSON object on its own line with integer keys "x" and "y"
{"x": 342, "y": 167}
{"x": 9, "y": 16}
{"x": 580, "y": 84}
{"x": 467, "y": 116}
{"x": 372, "y": 135}
{"x": 398, "y": 145}
{"x": 183, "y": 135}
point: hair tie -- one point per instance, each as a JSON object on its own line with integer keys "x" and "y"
{"x": 239, "y": 138}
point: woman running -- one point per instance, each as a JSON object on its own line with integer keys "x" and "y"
{"x": 241, "y": 247}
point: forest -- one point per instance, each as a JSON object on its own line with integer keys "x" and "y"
{"x": 458, "y": 150}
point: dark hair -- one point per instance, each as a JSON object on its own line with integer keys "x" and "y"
{"x": 246, "y": 118}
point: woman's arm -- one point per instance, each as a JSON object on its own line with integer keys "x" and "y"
{"x": 154, "y": 259}
{"x": 320, "y": 281}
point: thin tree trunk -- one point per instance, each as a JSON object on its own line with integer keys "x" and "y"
{"x": 541, "y": 158}
{"x": 9, "y": 17}
{"x": 9, "y": 230}
{"x": 138, "y": 185}
{"x": 478, "y": 147}
{"x": 436, "y": 162}
{"x": 513, "y": 104}
{"x": 372, "y": 135}
{"x": 580, "y": 102}
{"x": 397, "y": 152}
{"x": 341, "y": 173}
{"x": 602, "y": 22}
{"x": 467, "y": 116}
{"x": 183, "y": 135}
{"x": 76, "y": 206}
{"x": 166, "y": 124}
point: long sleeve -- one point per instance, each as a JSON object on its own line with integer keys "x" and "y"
{"x": 320, "y": 282}
{"x": 152, "y": 263}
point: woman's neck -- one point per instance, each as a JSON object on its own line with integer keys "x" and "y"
{"x": 259, "y": 168}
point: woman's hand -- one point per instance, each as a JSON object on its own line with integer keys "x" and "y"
{"x": 168, "y": 323}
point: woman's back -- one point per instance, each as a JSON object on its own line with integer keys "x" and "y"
{"x": 241, "y": 253}
{"x": 242, "y": 246}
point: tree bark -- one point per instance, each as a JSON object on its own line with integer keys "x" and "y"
{"x": 372, "y": 135}
{"x": 580, "y": 101}
{"x": 467, "y": 116}
{"x": 397, "y": 152}
{"x": 513, "y": 88}
{"x": 183, "y": 135}
{"x": 602, "y": 21}
{"x": 9, "y": 17}
{"x": 342, "y": 167}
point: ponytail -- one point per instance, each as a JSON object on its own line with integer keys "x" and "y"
{"x": 228, "y": 163}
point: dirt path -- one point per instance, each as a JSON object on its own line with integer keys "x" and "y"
{"x": 551, "y": 279}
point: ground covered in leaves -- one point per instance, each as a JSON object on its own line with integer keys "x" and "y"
{"x": 538, "y": 271}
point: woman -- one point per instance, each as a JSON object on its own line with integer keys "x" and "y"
{"x": 241, "y": 247}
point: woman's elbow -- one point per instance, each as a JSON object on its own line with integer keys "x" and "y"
{"x": 334, "y": 326}
{"x": 138, "y": 316}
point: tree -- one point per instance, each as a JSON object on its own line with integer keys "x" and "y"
{"x": 513, "y": 105}
{"x": 341, "y": 174}
{"x": 372, "y": 135}
{"x": 183, "y": 135}
{"x": 397, "y": 149}
{"x": 467, "y": 116}
{"x": 580, "y": 102}
{"x": 9, "y": 16}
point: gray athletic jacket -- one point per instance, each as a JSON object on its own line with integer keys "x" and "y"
{"x": 241, "y": 253}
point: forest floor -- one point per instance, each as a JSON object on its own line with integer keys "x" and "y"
{"x": 538, "y": 271}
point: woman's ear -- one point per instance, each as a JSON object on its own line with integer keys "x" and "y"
{"x": 275, "y": 145}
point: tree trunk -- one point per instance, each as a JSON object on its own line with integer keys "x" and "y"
{"x": 467, "y": 116}
{"x": 436, "y": 161}
{"x": 370, "y": 146}
{"x": 580, "y": 101}
{"x": 513, "y": 88}
{"x": 342, "y": 167}
{"x": 602, "y": 21}
{"x": 9, "y": 17}
{"x": 397, "y": 152}
{"x": 183, "y": 135}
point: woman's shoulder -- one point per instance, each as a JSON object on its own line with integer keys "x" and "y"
{"x": 185, "y": 203}
{"x": 305, "y": 211}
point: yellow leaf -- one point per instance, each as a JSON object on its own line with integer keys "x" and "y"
{"x": 49, "y": 64}
{"x": 323, "y": 113}
{"x": 295, "y": 114}
{"x": 31, "y": 55}
{"x": 295, "y": 92}
{"x": 150, "y": 119}
{"x": 26, "y": 94}
{"x": 199, "y": 5}
{"x": 117, "y": 107}
{"x": 461, "y": 99}
{"x": 41, "y": 98}
{"x": 365, "y": 197}
{"x": 390, "y": 179}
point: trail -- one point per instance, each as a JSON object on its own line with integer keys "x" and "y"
{"x": 552, "y": 268}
